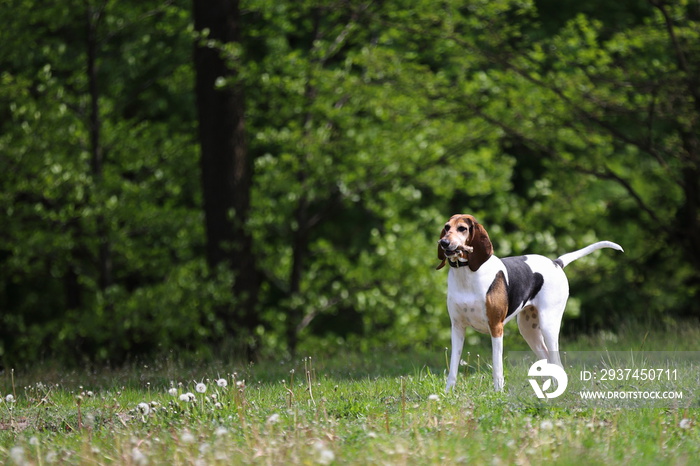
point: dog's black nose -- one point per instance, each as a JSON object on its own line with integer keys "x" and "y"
{"x": 444, "y": 243}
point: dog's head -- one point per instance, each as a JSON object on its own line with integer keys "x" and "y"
{"x": 463, "y": 237}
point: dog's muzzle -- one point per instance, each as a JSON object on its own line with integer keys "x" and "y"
{"x": 457, "y": 256}
{"x": 445, "y": 245}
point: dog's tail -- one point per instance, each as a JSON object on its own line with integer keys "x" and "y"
{"x": 568, "y": 258}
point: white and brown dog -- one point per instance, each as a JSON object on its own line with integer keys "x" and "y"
{"x": 485, "y": 292}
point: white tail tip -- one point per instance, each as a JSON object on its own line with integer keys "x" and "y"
{"x": 568, "y": 258}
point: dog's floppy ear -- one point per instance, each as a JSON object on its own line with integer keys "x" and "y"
{"x": 441, "y": 253}
{"x": 483, "y": 249}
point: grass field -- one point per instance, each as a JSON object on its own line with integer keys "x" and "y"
{"x": 388, "y": 407}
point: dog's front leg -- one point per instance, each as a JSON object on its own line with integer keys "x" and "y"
{"x": 457, "y": 344}
{"x": 497, "y": 348}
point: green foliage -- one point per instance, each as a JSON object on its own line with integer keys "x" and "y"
{"x": 369, "y": 123}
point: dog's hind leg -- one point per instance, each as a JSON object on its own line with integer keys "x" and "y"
{"x": 529, "y": 326}
{"x": 550, "y": 331}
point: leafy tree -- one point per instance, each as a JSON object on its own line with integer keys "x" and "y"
{"x": 99, "y": 208}
{"x": 349, "y": 173}
{"x": 357, "y": 127}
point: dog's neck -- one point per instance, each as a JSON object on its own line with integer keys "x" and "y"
{"x": 458, "y": 263}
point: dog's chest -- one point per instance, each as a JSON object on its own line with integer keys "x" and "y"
{"x": 467, "y": 312}
{"x": 466, "y": 296}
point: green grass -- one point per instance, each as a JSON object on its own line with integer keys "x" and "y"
{"x": 387, "y": 407}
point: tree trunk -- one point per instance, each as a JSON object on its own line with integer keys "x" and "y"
{"x": 226, "y": 168}
{"x": 104, "y": 253}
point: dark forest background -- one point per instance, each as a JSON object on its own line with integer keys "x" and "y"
{"x": 264, "y": 176}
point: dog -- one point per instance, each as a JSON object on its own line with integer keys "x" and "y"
{"x": 485, "y": 292}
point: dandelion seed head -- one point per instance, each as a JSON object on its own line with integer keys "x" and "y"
{"x": 187, "y": 437}
{"x": 189, "y": 396}
{"x": 434, "y": 398}
{"x": 221, "y": 382}
{"x": 10, "y": 398}
{"x": 201, "y": 388}
{"x": 17, "y": 455}
{"x": 546, "y": 425}
{"x": 273, "y": 419}
{"x": 204, "y": 448}
{"x": 173, "y": 392}
{"x": 324, "y": 454}
{"x": 685, "y": 423}
{"x": 138, "y": 457}
{"x": 144, "y": 408}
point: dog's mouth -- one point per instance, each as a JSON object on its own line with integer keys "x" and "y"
{"x": 450, "y": 252}
{"x": 459, "y": 252}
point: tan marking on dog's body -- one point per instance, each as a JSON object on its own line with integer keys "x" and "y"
{"x": 497, "y": 304}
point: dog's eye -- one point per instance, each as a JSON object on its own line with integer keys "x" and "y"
{"x": 447, "y": 228}
{"x": 462, "y": 229}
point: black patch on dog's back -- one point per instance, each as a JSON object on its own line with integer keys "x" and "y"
{"x": 523, "y": 283}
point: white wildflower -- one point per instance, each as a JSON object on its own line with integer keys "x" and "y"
{"x": 221, "y": 382}
{"x": 138, "y": 457}
{"x": 173, "y": 391}
{"x": 144, "y": 408}
{"x": 220, "y": 431}
{"x": 9, "y": 398}
{"x": 189, "y": 396}
{"x": 273, "y": 419}
{"x": 434, "y": 398}
{"x": 17, "y": 455}
{"x": 546, "y": 425}
{"x": 201, "y": 388}
{"x": 685, "y": 423}
{"x": 187, "y": 437}
{"x": 204, "y": 448}
{"x": 324, "y": 454}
